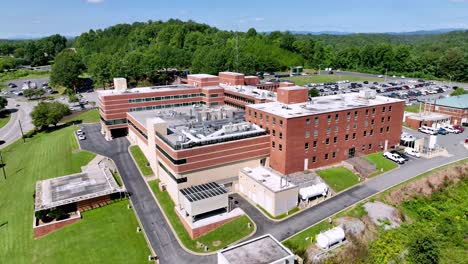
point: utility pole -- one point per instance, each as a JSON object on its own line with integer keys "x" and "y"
{"x": 237, "y": 51}
{"x": 3, "y": 165}
{"x": 21, "y": 129}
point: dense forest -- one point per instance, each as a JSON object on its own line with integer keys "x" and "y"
{"x": 142, "y": 51}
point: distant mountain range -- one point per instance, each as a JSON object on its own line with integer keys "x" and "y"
{"x": 419, "y": 32}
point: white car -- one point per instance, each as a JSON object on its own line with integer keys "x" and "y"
{"x": 380, "y": 76}
{"x": 427, "y": 130}
{"x": 80, "y": 132}
{"x": 403, "y": 77}
{"x": 451, "y": 129}
{"x": 412, "y": 152}
{"x": 394, "y": 157}
{"x": 81, "y": 137}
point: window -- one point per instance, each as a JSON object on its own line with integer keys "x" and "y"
{"x": 370, "y": 146}
{"x": 334, "y": 154}
{"x": 273, "y": 132}
{"x": 372, "y": 121}
{"x": 336, "y": 128}
{"x": 214, "y": 95}
{"x": 315, "y": 143}
{"x": 388, "y": 129}
{"x": 306, "y": 145}
{"x": 261, "y": 116}
{"x": 255, "y": 114}
{"x": 314, "y": 159}
{"x": 383, "y": 109}
{"x": 337, "y": 117}
{"x": 381, "y": 130}
{"x": 335, "y": 139}
{"x": 363, "y": 147}
{"x": 390, "y": 108}
{"x": 273, "y": 144}
{"x": 388, "y": 118}
{"x": 371, "y": 132}
{"x": 347, "y": 126}
{"x": 326, "y": 156}
{"x": 367, "y": 112}
{"x": 355, "y": 115}
{"x": 315, "y": 132}
{"x": 355, "y": 125}
{"x": 280, "y": 147}
{"x": 307, "y": 134}
{"x": 354, "y": 135}
{"x": 214, "y": 103}
{"x": 281, "y": 135}
{"x": 327, "y": 141}
{"x": 348, "y": 116}
{"x": 267, "y": 118}
{"x": 329, "y": 119}
{"x": 308, "y": 121}
{"x": 316, "y": 121}
{"x": 346, "y": 137}
{"x": 383, "y": 120}
{"x": 366, "y": 123}
{"x": 281, "y": 123}
{"x": 365, "y": 133}
{"x": 273, "y": 121}
{"x": 373, "y": 111}
{"x": 328, "y": 130}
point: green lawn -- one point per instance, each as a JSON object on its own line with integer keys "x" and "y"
{"x": 4, "y": 119}
{"x": 338, "y": 178}
{"x": 298, "y": 242}
{"x": 381, "y": 163}
{"x": 141, "y": 160}
{"x": 90, "y": 116}
{"x": 303, "y": 80}
{"x": 224, "y": 235}
{"x": 22, "y": 75}
{"x": 281, "y": 216}
{"x": 412, "y": 108}
{"x": 117, "y": 177}
{"x": 103, "y": 235}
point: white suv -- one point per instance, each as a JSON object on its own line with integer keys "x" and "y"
{"x": 427, "y": 130}
{"x": 451, "y": 129}
{"x": 394, "y": 157}
{"x": 412, "y": 152}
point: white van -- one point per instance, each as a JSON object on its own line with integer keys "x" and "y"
{"x": 427, "y": 130}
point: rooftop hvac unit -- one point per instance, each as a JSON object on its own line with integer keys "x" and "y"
{"x": 367, "y": 94}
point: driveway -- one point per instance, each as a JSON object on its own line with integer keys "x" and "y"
{"x": 162, "y": 239}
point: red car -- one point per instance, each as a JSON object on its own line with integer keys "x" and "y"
{"x": 459, "y": 128}
{"x": 466, "y": 140}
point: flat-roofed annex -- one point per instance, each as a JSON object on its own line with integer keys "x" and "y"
{"x": 324, "y": 104}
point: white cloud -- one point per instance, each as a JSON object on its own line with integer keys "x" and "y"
{"x": 259, "y": 19}
{"x": 94, "y": 1}
{"x": 458, "y": 1}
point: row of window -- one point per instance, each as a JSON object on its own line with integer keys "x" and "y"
{"x": 137, "y": 129}
{"x": 114, "y": 121}
{"x": 177, "y": 180}
{"x": 152, "y": 107}
{"x": 239, "y": 98}
{"x": 168, "y": 97}
{"x": 174, "y": 161}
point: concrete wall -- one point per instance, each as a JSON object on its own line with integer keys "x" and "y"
{"x": 42, "y": 230}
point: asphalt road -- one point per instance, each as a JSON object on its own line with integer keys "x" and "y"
{"x": 11, "y": 131}
{"x": 162, "y": 239}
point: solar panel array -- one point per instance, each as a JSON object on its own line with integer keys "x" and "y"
{"x": 203, "y": 191}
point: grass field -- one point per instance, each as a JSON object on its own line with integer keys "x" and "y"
{"x": 224, "y": 235}
{"x": 381, "y": 163}
{"x": 93, "y": 240}
{"x": 21, "y": 75}
{"x": 338, "y": 178}
{"x": 141, "y": 160}
{"x": 4, "y": 119}
{"x": 303, "y": 80}
{"x": 90, "y": 116}
{"x": 412, "y": 108}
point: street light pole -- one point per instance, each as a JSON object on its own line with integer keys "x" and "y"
{"x": 3, "y": 165}
{"x": 21, "y": 129}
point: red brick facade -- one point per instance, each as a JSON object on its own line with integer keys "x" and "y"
{"x": 198, "y": 232}
{"x": 42, "y": 230}
{"x": 309, "y": 142}
{"x": 93, "y": 203}
{"x": 292, "y": 95}
{"x": 457, "y": 114}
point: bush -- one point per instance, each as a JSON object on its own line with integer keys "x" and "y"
{"x": 57, "y": 214}
{"x": 423, "y": 249}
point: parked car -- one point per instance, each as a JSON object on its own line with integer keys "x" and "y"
{"x": 12, "y": 85}
{"x": 442, "y": 131}
{"x": 412, "y": 152}
{"x": 427, "y": 130}
{"x": 394, "y": 157}
{"x": 80, "y": 132}
{"x": 459, "y": 128}
{"x": 81, "y": 137}
{"x": 451, "y": 129}
{"x": 405, "y": 157}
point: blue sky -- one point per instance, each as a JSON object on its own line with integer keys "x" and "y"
{"x": 35, "y": 18}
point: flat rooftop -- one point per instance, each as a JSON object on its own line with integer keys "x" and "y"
{"x": 232, "y": 73}
{"x": 200, "y": 125}
{"x": 201, "y": 75}
{"x": 72, "y": 188}
{"x": 428, "y": 116}
{"x": 269, "y": 178}
{"x": 203, "y": 191}
{"x": 459, "y": 101}
{"x": 251, "y": 91}
{"x": 264, "y": 249}
{"x": 150, "y": 89}
{"x": 323, "y": 104}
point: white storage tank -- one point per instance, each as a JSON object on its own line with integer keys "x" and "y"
{"x": 330, "y": 237}
{"x": 314, "y": 190}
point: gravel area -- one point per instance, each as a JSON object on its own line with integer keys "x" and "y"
{"x": 351, "y": 225}
{"x": 383, "y": 214}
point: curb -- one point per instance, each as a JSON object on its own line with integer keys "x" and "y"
{"x": 369, "y": 197}
{"x": 136, "y": 164}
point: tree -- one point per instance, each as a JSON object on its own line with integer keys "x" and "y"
{"x": 314, "y": 92}
{"x": 3, "y": 102}
{"x": 459, "y": 91}
{"x": 45, "y": 114}
{"x": 29, "y": 93}
{"x": 72, "y": 98}
{"x": 67, "y": 69}
{"x": 424, "y": 250}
